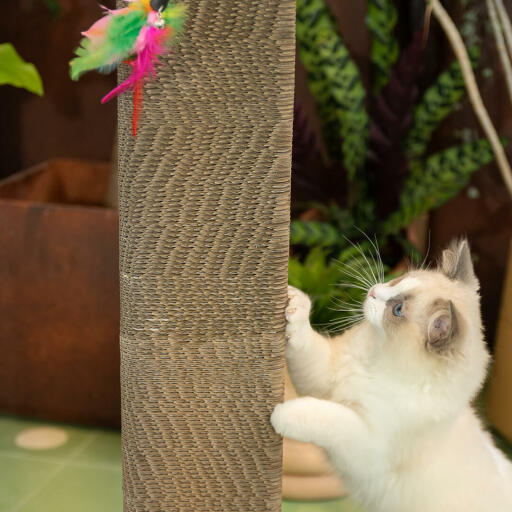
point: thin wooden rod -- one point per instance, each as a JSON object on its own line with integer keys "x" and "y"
{"x": 473, "y": 92}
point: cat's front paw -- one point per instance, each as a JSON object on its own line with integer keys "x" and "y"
{"x": 297, "y": 311}
{"x": 291, "y": 419}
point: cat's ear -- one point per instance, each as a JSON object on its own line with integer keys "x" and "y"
{"x": 442, "y": 327}
{"x": 456, "y": 263}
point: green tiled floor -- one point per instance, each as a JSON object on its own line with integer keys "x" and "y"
{"x": 326, "y": 506}
{"x": 83, "y": 475}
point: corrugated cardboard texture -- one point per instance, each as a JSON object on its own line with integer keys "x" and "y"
{"x": 500, "y": 396}
{"x": 204, "y": 222}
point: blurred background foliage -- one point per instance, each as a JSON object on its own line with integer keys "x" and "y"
{"x": 373, "y": 172}
{"x": 341, "y": 55}
{"x": 18, "y": 73}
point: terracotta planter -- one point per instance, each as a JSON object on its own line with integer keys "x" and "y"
{"x": 500, "y": 392}
{"x": 59, "y": 296}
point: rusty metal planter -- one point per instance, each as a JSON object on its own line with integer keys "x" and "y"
{"x": 59, "y": 295}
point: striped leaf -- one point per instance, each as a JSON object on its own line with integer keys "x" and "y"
{"x": 436, "y": 104}
{"x": 442, "y": 177}
{"x": 313, "y": 233}
{"x": 381, "y": 20}
{"x": 335, "y": 83}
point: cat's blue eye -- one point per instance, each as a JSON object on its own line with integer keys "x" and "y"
{"x": 397, "y": 310}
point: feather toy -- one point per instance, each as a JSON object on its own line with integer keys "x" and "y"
{"x": 138, "y": 34}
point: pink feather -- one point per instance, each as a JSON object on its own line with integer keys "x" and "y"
{"x": 150, "y": 45}
{"x": 99, "y": 29}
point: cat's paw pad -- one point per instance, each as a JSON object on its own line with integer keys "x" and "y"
{"x": 299, "y": 306}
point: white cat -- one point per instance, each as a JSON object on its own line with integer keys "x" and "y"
{"x": 389, "y": 399}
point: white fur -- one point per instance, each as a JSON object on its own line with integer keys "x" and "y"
{"x": 394, "y": 419}
{"x": 374, "y": 309}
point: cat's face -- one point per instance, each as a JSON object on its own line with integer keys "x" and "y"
{"x": 429, "y": 320}
{"x": 418, "y": 306}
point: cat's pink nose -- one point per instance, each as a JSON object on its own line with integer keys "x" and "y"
{"x": 371, "y": 293}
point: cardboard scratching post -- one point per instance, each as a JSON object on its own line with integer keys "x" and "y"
{"x": 500, "y": 393}
{"x": 204, "y": 221}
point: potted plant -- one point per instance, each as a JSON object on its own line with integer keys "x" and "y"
{"x": 355, "y": 203}
{"x": 378, "y": 175}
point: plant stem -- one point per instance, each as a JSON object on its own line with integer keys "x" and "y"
{"x": 498, "y": 29}
{"x": 505, "y": 23}
{"x": 473, "y": 92}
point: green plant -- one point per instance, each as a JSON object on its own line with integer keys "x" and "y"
{"x": 381, "y": 22}
{"x": 15, "y": 71}
{"x": 377, "y": 148}
{"x": 337, "y": 286}
{"x": 334, "y": 82}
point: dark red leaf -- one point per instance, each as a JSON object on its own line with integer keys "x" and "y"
{"x": 391, "y": 118}
{"x": 313, "y": 180}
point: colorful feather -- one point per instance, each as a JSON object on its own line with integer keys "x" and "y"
{"x": 108, "y": 42}
{"x": 136, "y": 34}
{"x": 137, "y": 106}
{"x": 143, "y": 67}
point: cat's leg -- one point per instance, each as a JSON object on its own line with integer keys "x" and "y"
{"x": 330, "y": 425}
{"x": 308, "y": 353}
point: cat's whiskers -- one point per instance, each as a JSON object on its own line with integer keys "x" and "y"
{"x": 378, "y": 260}
{"x": 356, "y": 271}
{"x": 348, "y": 320}
{"x": 381, "y": 263}
{"x": 422, "y": 266}
{"x": 370, "y": 266}
{"x": 356, "y": 274}
{"x": 351, "y": 302}
{"x": 341, "y": 325}
{"x": 353, "y": 310}
{"x": 363, "y": 271}
{"x": 352, "y": 285}
{"x": 361, "y": 252}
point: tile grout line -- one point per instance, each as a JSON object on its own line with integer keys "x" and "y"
{"x": 77, "y": 451}
{"x": 56, "y": 460}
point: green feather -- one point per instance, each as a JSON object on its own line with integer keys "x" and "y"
{"x": 174, "y": 16}
{"x": 87, "y": 58}
{"x": 103, "y": 54}
{"x": 123, "y": 31}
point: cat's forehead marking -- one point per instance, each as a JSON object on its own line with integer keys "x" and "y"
{"x": 400, "y": 288}
{"x": 395, "y": 281}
